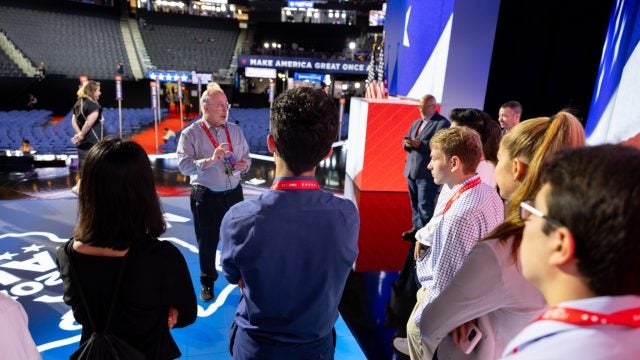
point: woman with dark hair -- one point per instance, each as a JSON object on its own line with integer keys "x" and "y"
{"x": 120, "y": 219}
{"x": 86, "y": 121}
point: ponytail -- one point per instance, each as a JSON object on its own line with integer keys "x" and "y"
{"x": 534, "y": 142}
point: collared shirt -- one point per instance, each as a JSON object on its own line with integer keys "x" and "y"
{"x": 473, "y": 215}
{"x": 490, "y": 288}
{"x": 195, "y": 147}
{"x": 293, "y": 250}
{"x": 549, "y": 339}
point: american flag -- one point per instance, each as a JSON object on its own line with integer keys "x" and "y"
{"x": 382, "y": 88}
{"x": 371, "y": 73}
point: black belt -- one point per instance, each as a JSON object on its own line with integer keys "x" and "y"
{"x": 206, "y": 189}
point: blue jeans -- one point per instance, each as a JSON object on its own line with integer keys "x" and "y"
{"x": 422, "y": 193}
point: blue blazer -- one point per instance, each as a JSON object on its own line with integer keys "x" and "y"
{"x": 417, "y": 159}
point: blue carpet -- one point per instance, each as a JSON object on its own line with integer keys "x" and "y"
{"x": 33, "y": 229}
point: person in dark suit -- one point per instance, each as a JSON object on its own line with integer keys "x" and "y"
{"x": 422, "y": 189}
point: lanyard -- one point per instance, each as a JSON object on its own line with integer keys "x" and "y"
{"x": 628, "y": 317}
{"x": 295, "y": 185}
{"x": 470, "y": 185}
{"x": 213, "y": 140}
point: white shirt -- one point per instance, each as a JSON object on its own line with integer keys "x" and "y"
{"x": 549, "y": 339}
{"x": 15, "y": 338}
{"x": 487, "y": 172}
{"x": 488, "y": 287}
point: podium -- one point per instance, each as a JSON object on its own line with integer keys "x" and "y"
{"x": 375, "y": 181}
{"x": 375, "y": 157}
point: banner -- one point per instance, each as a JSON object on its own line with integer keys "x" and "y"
{"x": 167, "y": 76}
{"x": 614, "y": 116}
{"x": 119, "y": 88}
{"x": 308, "y": 77}
{"x": 154, "y": 97}
{"x": 308, "y": 64}
{"x": 417, "y": 38}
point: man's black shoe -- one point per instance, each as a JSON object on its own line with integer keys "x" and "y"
{"x": 206, "y": 294}
{"x": 410, "y": 234}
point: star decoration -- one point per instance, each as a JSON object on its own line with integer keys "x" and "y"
{"x": 7, "y": 256}
{"x": 34, "y": 248}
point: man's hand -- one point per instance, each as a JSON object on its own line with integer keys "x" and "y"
{"x": 460, "y": 332}
{"x": 414, "y": 143}
{"x": 173, "y": 317}
{"x": 419, "y": 247}
{"x": 241, "y": 165}
{"x": 218, "y": 153}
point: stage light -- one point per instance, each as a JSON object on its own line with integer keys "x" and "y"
{"x": 266, "y": 45}
{"x": 352, "y": 45}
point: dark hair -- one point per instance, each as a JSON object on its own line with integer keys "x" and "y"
{"x": 481, "y": 122}
{"x": 513, "y": 105}
{"x": 533, "y": 142}
{"x": 304, "y": 124}
{"x": 595, "y": 192}
{"x": 460, "y": 141}
{"x": 118, "y": 204}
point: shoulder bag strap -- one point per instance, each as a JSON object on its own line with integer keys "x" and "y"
{"x": 84, "y": 302}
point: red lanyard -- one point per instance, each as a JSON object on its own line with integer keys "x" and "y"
{"x": 295, "y": 185}
{"x": 470, "y": 185}
{"x": 213, "y": 140}
{"x": 628, "y": 317}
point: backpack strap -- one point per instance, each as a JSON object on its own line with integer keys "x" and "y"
{"x": 74, "y": 276}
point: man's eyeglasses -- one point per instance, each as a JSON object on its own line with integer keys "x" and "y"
{"x": 526, "y": 210}
{"x": 221, "y": 106}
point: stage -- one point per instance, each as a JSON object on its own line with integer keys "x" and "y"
{"x": 33, "y": 229}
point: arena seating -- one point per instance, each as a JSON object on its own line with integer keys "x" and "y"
{"x": 93, "y": 43}
{"x": 8, "y": 68}
{"x": 182, "y": 47}
{"x": 48, "y": 138}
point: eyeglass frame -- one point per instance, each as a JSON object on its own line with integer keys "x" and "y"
{"x": 220, "y": 105}
{"x": 526, "y": 207}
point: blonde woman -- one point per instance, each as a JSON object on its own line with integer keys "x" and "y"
{"x": 86, "y": 121}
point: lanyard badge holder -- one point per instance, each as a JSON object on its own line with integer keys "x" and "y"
{"x": 229, "y": 158}
{"x": 229, "y": 165}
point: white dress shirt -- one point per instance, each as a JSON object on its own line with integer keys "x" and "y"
{"x": 549, "y": 339}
